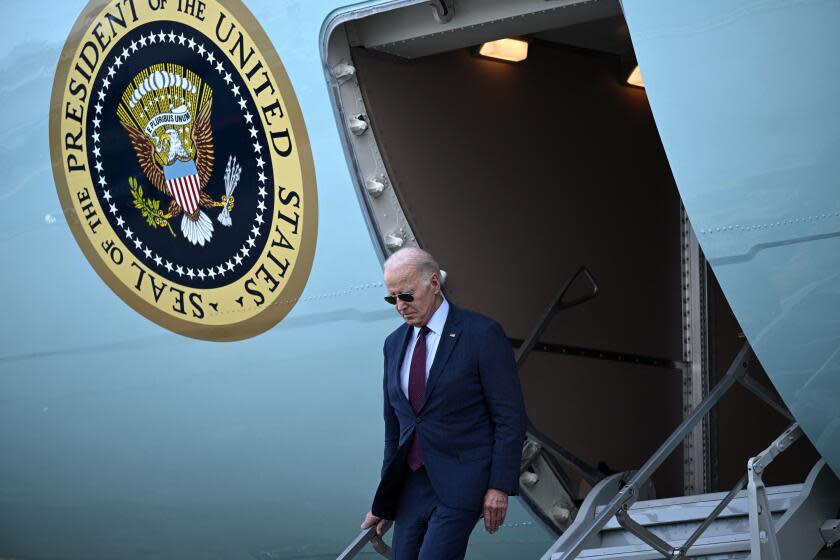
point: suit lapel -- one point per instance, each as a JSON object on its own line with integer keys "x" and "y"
{"x": 448, "y": 339}
{"x": 397, "y": 364}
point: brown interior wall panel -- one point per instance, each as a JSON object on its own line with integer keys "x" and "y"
{"x": 533, "y": 170}
{"x": 514, "y": 175}
{"x": 605, "y": 411}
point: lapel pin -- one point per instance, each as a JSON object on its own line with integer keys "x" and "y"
{"x": 452, "y": 334}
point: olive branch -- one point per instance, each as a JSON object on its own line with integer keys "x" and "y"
{"x": 149, "y": 208}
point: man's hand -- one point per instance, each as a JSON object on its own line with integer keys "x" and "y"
{"x": 495, "y": 509}
{"x": 371, "y": 520}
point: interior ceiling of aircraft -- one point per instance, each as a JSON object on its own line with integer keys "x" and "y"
{"x": 413, "y": 32}
{"x": 608, "y": 35}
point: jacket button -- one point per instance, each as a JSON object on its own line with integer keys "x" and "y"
{"x": 417, "y": 420}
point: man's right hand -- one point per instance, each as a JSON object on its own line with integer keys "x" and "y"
{"x": 371, "y": 520}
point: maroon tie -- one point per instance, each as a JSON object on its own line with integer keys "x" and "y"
{"x": 416, "y": 388}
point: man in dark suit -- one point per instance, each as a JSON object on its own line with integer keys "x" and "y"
{"x": 454, "y": 418}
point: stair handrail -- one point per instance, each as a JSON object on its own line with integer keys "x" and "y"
{"x": 368, "y": 535}
{"x": 627, "y": 495}
{"x": 762, "y": 529}
{"x": 587, "y": 472}
{"x": 557, "y": 304}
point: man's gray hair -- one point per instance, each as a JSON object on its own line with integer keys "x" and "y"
{"x": 420, "y": 260}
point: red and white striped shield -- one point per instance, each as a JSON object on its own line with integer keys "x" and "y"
{"x": 186, "y": 191}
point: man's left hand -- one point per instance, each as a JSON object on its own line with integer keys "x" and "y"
{"x": 495, "y": 509}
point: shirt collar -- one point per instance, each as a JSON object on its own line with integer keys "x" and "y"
{"x": 438, "y": 319}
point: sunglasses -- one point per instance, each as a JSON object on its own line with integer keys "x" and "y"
{"x": 408, "y": 298}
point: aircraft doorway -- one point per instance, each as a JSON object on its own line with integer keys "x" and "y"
{"x": 516, "y": 174}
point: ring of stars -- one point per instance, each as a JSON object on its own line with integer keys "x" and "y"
{"x": 152, "y": 258}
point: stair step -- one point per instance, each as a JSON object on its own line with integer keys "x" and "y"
{"x": 798, "y": 511}
{"x": 675, "y": 519}
{"x": 731, "y": 546}
{"x": 688, "y": 509}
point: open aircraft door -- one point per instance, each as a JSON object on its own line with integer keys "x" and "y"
{"x": 751, "y": 130}
{"x": 609, "y": 228}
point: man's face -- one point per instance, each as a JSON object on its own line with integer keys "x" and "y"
{"x": 406, "y": 280}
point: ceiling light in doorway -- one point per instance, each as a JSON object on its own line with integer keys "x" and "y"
{"x": 635, "y": 78}
{"x": 511, "y": 50}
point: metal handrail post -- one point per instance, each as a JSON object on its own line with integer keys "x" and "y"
{"x": 763, "y": 541}
{"x": 590, "y": 474}
{"x": 551, "y": 310}
{"x": 766, "y": 396}
{"x": 627, "y": 495}
{"x": 683, "y": 550}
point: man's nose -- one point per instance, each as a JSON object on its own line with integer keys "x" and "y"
{"x": 401, "y": 305}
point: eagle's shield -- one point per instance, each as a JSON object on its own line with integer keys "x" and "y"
{"x": 183, "y": 183}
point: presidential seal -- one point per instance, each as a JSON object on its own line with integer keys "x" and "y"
{"x": 182, "y": 163}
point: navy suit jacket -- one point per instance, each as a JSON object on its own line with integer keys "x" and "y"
{"x": 471, "y": 424}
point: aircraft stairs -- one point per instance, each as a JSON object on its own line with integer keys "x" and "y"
{"x": 620, "y": 519}
{"x": 725, "y": 525}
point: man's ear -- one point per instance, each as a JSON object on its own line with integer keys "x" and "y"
{"x": 435, "y": 282}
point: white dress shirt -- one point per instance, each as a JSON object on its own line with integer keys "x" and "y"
{"x": 435, "y": 325}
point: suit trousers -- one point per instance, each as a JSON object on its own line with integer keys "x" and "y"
{"x": 424, "y": 528}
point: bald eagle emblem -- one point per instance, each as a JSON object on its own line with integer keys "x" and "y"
{"x": 165, "y": 110}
